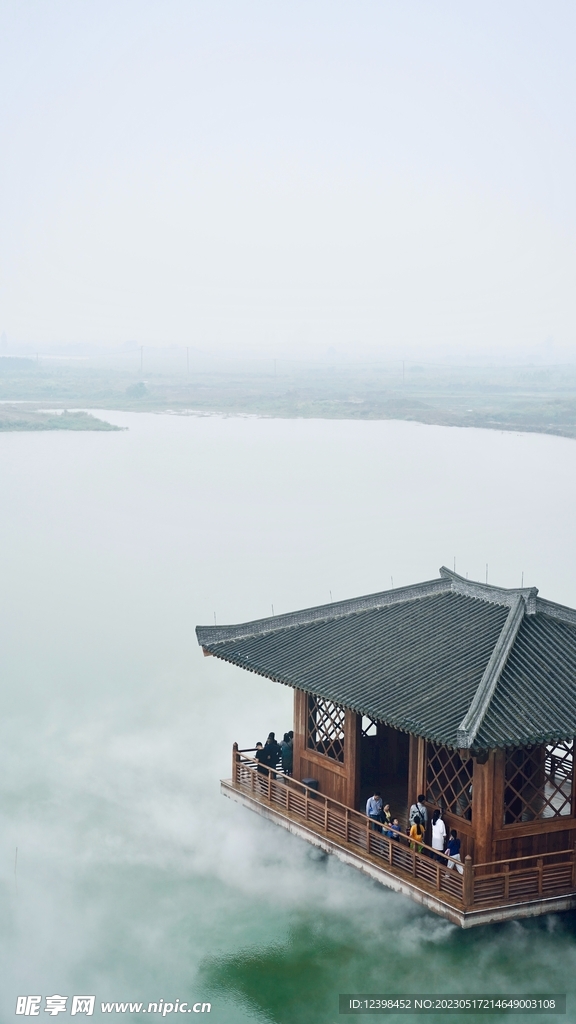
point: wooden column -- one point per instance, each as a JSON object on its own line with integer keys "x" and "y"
{"x": 483, "y": 808}
{"x": 416, "y": 768}
{"x": 499, "y": 788}
{"x": 352, "y": 734}
{"x": 300, "y": 713}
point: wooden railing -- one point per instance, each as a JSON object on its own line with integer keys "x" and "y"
{"x": 521, "y": 879}
{"x": 347, "y": 825}
{"x": 510, "y": 881}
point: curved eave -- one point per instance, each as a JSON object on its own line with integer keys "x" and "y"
{"x": 402, "y": 725}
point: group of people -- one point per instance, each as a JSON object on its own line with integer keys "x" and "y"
{"x": 275, "y": 755}
{"x": 380, "y": 812}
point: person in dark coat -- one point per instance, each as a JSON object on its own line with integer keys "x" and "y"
{"x": 260, "y": 756}
{"x": 287, "y": 754}
{"x": 272, "y": 750}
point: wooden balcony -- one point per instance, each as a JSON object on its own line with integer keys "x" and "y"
{"x": 482, "y": 893}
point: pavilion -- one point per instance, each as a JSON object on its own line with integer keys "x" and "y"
{"x": 459, "y": 690}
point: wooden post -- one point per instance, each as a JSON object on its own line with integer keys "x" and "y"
{"x": 506, "y": 881}
{"x": 300, "y": 726}
{"x": 421, "y": 767}
{"x": 468, "y": 882}
{"x": 540, "y": 864}
{"x": 270, "y": 785}
{"x": 499, "y": 788}
{"x": 574, "y": 867}
{"x": 413, "y": 777}
{"x": 352, "y": 734}
{"x": 483, "y": 809}
{"x": 235, "y": 760}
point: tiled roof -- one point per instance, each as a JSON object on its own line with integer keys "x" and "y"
{"x": 461, "y": 663}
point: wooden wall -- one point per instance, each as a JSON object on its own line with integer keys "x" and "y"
{"x": 340, "y": 781}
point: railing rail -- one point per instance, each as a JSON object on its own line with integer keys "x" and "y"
{"x": 531, "y": 856}
{"x": 512, "y": 881}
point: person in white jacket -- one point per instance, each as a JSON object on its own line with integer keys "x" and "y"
{"x": 438, "y": 834}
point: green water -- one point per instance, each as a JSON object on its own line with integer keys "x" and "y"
{"x": 134, "y": 879}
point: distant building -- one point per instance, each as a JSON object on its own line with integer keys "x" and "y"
{"x": 457, "y": 690}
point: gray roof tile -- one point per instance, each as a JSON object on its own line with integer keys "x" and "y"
{"x": 418, "y": 658}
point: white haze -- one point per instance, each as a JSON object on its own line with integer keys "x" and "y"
{"x": 114, "y": 730}
{"x": 371, "y": 178}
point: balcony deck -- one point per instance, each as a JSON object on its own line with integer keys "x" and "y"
{"x": 481, "y": 894}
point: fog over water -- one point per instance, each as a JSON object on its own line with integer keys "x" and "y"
{"x": 135, "y": 879}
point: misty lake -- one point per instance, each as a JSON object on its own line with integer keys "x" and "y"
{"x": 134, "y": 880}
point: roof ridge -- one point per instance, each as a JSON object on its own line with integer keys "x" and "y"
{"x": 490, "y": 593}
{"x": 318, "y": 613}
{"x": 470, "y": 724}
{"x": 556, "y": 611}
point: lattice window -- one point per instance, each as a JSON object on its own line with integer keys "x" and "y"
{"x": 449, "y": 780}
{"x": 539, "y": 782}
{"x": 326, "y": 728}
{"x": 369, "y": 726}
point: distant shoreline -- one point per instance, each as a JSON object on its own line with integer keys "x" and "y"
{"x": 538, "y": 400}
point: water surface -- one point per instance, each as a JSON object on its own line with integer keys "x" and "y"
{"x": 135, "y": 880}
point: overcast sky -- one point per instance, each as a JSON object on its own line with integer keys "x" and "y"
{"x": 289, "y": 177}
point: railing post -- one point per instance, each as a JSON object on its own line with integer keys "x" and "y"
{"x": 325, "y": 814}
{"x": 438, "y": 883}
{"x": 235, "y": 760}
{"x": 540, "y": 863}
{"x": 506, "y": 881}
{"x": 574, "y": 867}
{"x": 306, "y": 803}
{"x": 347, "y": 822}
{"x": 368, "y": 835}
{"x": 270, "y": 785}
{"x": 468, "y": 882}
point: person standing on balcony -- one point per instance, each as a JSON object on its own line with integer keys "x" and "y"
{"x": 260, "y": 756}
{"x": 272, "y": 750}
{"x": 453, "y": 851}
{"x": 287, "y": 754}
{"x": 419, "y": 808}
{"x": 438, "y": 834}
{"x": 417, "y": 834}
{"x": 394, "y": 832}
{"x": 374, "y": 809}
